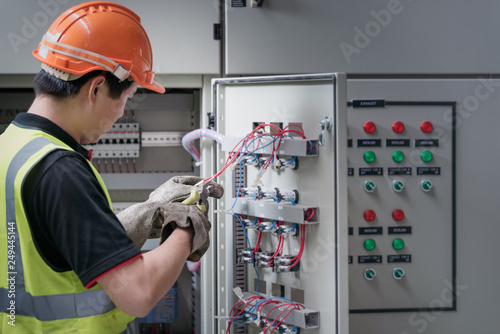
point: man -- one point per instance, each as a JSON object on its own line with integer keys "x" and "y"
{"x": 68, "y": 259}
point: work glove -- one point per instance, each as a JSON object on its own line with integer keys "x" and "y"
{"x": 138, "y": 222}
{"x": 178, "y": 188}
{"x": 172, "y": 215}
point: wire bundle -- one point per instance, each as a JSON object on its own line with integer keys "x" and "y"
{"x": 246, "y": 146}
{"x": 249, "y": 310}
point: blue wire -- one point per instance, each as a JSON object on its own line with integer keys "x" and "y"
{"x": 293, "y": 160}
{"x": 254, "y": 197}
{"x": 274, "y": 197}
{"x": 310, "y": 150}
{"x": 291, "y": 200}
{"x": 293, "y": 228}
{"x": 274, "y": 224}
{"x": 250, "y": 247}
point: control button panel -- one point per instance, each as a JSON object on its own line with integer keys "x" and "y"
{"x": 400, "y": 210}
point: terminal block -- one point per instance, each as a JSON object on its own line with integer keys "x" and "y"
{"x": 276, "y": 211}
{"x": 283, "y": 264}
{"x": 304, "y": 318}
{"x": 274, "y": 193}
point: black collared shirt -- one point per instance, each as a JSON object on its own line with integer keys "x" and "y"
{"x": 71, "y": 223}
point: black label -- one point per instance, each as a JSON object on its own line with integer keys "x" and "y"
{"x": 426, "y": 142}
{"x": 350, "y": 259}
{"x": 371, "y": 171}
{"x": 349, "y": 142}
{"x": 370, "y": 230}
{"x": 368, "y": 103}
{"x": 369, "y": 142}
{"x": 351, "y": 231}
{"x": 428, "y": 170}
{"x": 397, "y": 142}
{"x": 370, "y": 259}
{"x": 398, "y": 258}
{"x": 399, "y": 170}
{"x": 238, "y": 3}
{"x": 399, "y": 229}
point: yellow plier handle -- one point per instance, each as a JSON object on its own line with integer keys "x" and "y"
{"x": 194, "y": 198}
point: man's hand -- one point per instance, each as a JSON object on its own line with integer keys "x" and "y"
{"x": 173, "y": 215}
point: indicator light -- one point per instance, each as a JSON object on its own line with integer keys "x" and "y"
{"x": 369, "y": 157}
{"x": 398, "y": 185}
{"x": 370, "y": 244}
{"x": 426, "y": 156}
{"x": 398, "y": 273}
{"x": 398, "y": 215}
{"x": 398, "y": 156}
{"x": 426, "y": 185}
{"x": 398, "y": 244}
{"x": 398, "y": 127}
{"x": 369, "y": 215}
{"x": 369, "y": 127}
{"x": 369, "y": 186}
{"x": 370, "y": 274}
{"x": 426, "y": 127}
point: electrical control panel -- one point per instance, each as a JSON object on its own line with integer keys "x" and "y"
{"x": 401, "y": 183}
{"x": 282, "y": 163}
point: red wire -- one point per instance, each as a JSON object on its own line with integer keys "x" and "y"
{"x": 252, "y": 135}
{"x": 310, "y": 215}
{"x": 296, "y": 259}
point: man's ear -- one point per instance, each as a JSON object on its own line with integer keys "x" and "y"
{"x": 95, "y": 88}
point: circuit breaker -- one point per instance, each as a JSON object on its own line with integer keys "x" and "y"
{"x": 281, "y": 232}
{"x": 401, "y": 183}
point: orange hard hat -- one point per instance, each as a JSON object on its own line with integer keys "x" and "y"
{"x": 98, "y": 35}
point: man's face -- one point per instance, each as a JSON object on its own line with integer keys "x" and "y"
{"x": 106, "y": 112}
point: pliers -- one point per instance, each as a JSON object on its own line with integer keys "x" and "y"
{"x": 200, "y": 199}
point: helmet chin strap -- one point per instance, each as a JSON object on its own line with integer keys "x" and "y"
{"x": 49, "y": 43}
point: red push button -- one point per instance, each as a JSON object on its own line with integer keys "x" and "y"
{"x": 369, "y": 127}
{"x": 426, "y": 127}
{"x": 369, "y": 215}
{"x": 398, "y": 127}
{"x": 398, "y": 214}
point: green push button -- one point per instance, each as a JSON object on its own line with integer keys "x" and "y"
{"x": 369, "y": 186}
{"x": 370, "y": 244}
{"x": 426, "y": 185}
{"x": 398, "y": 156}
{"x": 370, "y": 274}
{"x": 369, "y": 157}
{"x": 398, "y": 244}
{"x": 398, "y": 273}
{"x": 426, "y": 156}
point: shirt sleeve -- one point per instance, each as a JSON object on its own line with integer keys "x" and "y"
{"x": 71, "y": 212}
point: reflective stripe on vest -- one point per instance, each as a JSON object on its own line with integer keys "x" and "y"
{"x": 50, "y": 307}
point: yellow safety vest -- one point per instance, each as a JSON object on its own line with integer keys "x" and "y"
{"x": 35, "y": 298}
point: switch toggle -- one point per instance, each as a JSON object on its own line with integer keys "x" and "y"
{"x": 398, "y": 273}
{"x": 426, "y": 185}
{"x": 369, "y": 186}
{"x": 398, "y": 185}
{"x": 370, "y": 274}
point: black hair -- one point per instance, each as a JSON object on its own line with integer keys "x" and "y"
{"x": 45, "y": 83}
